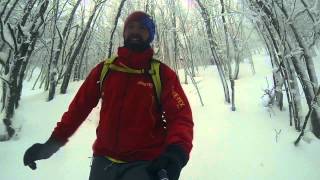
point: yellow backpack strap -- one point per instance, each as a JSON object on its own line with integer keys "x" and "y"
{"x": 126, "y": 69}
{"x": 155, "y": 74}
{"x": 105, "y": 70}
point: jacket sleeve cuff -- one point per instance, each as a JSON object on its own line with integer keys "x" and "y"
{"x": 54, "y": 141}
{"x": 178, "y": 153}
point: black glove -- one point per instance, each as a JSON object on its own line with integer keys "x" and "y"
{"x": 172, "y": 160}
{"x": 40, "y": 151}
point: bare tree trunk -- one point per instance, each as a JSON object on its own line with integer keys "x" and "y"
{"x": 215, "y": 28}
{"x": 5, "y": 82}
{"x": 298, "y": 66}
{"x": 276, "y": 57}
{"x": 30, "y": 74}
{"x": 44, "y": 77}
{"x": 306, "y": 53}
{"x": 20, "y": 53}
{"x": 309, "y": 88}
{"x": 215, "y": 59}
{"x": 313, "y": 19}
{"x": 193, "y": 81}
{"x": 10, "y": 11}
{"x": 36, "y": 81}
{"x": 226, "y": 36}
{"x": 167, "y": 54}
{"x": 237, "y": 50}
{"x": 23, "y": 69}
{"x": 308, "y": 91}
{"x": 65, "y": 59}
{"x": 27, "y": 11}
{"x": 305, "y": 5}
{"x": 175, "y": 35}
{"x": 77, "y": 71}
{"x": 53, "y": 74}
{"x": 292, "y": 77}
{"x": 147, "y": 7}
{"x": 4, "y": 8}
{"x": 52, "y": 67}
{"x": 114, "y": 28}
{"x": 252, "y": 64}
{"x": 188, "y": 49}
{"x": 75, "y": 53}
{"x": 315, "y": 102}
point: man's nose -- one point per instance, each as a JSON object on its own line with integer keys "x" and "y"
{"x": 136, "y": 30}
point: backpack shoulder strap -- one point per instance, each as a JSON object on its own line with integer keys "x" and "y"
{"x": 155, "y": 75}
{"x": 105, "y": 70}
{"x": 154, "y": 72}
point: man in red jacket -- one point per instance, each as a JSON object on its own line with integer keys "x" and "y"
{"x": 132, "y": 142}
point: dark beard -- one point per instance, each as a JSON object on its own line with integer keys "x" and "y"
{"x": 138, "y": 46}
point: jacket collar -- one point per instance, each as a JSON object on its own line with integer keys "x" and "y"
{"x": 133, "y": 59}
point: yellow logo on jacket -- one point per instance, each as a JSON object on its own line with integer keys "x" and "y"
{"x": 179, "y": 101}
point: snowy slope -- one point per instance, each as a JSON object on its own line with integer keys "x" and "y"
{"x": 241, "y": 145}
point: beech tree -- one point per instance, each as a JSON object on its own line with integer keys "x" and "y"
{"x": 20, "y": 40}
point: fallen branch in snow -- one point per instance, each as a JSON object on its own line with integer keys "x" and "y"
{"x": 277, "y": 134}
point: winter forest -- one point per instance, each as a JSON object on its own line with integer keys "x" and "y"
{"x": 51, "y": 45}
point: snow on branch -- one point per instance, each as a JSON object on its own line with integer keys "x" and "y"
{"x": 299, "y": 13}
{"x": 295, "y": 52}
{"x": 21, "y": 31}
{"x": 12, "y": 35}
{"x": 4, "y": 80}
{"x": 5, "y": 35}
{"x": 316, "y": 8}
{"x": 3, "y": 56}
{"x": 39, "y": 15}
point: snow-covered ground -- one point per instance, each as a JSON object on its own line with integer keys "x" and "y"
{"x": 252, "y": 143}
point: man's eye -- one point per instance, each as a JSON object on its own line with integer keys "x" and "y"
{"x": 143, "y": 28}
{"x": 130, "y": 26}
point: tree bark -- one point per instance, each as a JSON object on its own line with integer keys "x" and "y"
{"x": 52, "y": 68}
{"x": 215, "y": 59}
{"x": 4, "y": 8}
{"x": 10, "y": 11}
{"x": 306, "y": 53}
{"x": 175, "y": 35}
{"x": 114, "y": 28}
{"x": 226, "y": 36}
{"x": 56, "y": 55}
{"x": 20, "y": 53}
{"x": 275, "y": 54}
{"x": 75, "y": 53}
{"x": 23, "y": 69}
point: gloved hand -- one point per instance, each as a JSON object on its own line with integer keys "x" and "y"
{"x": 40, "y": 151}
{"x": 172, "y": 160}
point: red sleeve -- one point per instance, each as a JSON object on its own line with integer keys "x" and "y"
{"x": 177, "y": 110}
{"x": 85, "y": 100}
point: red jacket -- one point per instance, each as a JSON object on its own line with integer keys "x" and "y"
{"x": 130, "y": 126}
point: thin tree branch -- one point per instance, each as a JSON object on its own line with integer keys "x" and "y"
{"x": 13, "y": 37}
{"x": 3, "y": 36}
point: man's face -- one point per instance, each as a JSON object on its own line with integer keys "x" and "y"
{"x": 136, "y": 36}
